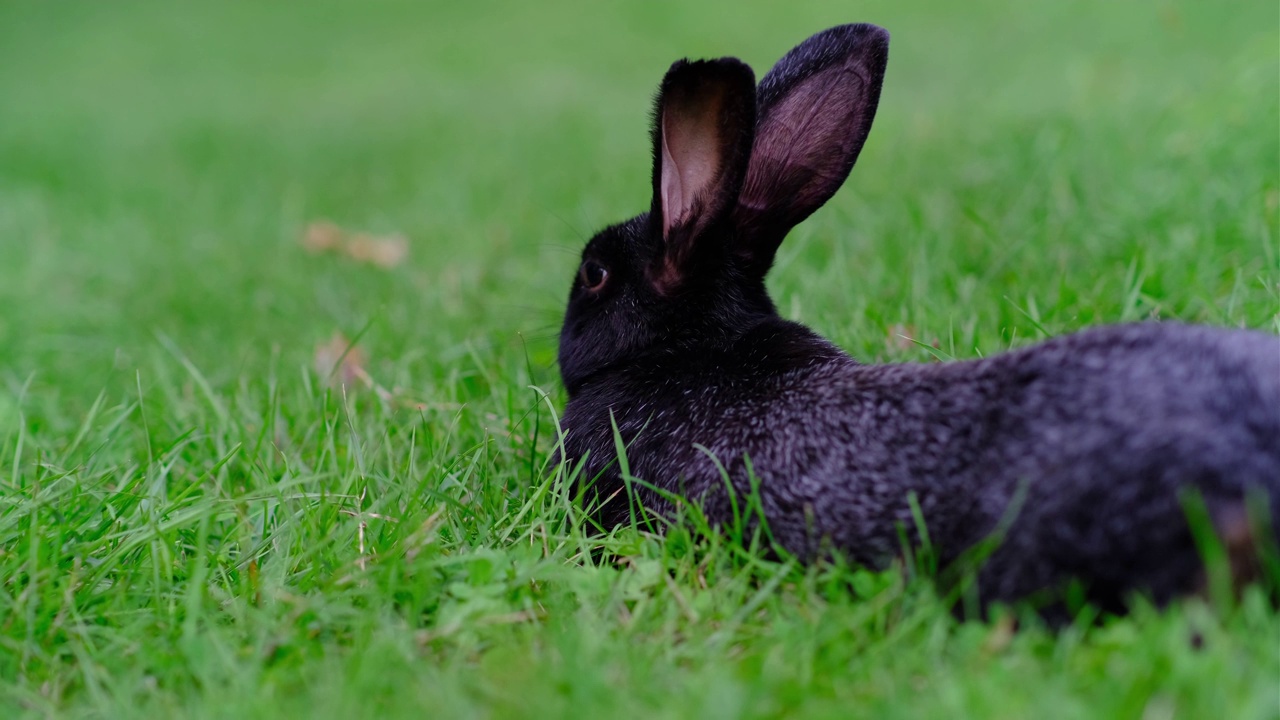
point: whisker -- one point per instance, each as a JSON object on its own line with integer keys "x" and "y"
{"x": 561, "y": 248}
{"x": 582, "y": 238}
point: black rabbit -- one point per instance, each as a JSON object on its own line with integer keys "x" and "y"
{"x": 1079, "y": 450}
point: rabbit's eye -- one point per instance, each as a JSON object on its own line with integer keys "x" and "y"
{"x": 593, "y": 275}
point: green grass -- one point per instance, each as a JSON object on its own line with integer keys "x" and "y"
{"x": 193, "y": 524}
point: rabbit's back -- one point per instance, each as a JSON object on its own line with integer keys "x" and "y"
{"x": 1114, "y": 431}
{"x": 1084, "y": 443}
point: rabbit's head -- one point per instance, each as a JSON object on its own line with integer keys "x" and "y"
{"x": 734, "y": 169}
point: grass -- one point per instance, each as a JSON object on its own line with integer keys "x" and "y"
{"x": 194, "y": 523}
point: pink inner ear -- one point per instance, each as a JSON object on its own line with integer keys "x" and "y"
{"x": 803, "y": 145}
{"x": 690, "y": 157}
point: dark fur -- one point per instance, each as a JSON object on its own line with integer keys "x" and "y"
{"x": 1098, "y": 434}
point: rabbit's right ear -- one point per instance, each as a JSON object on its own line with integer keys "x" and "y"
{"x": 815, "y": 110}
{"x": 702, "y": 130}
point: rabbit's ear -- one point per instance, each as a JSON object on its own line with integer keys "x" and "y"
{"x": 703, "y": 125}
{"x": 816, "y": 108}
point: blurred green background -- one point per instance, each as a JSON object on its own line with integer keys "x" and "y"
{"x": 159, "y": 160}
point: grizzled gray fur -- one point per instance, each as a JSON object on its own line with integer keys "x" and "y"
{"x": 1084, "y": 446}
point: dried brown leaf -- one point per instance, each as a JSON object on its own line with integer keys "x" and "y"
{"x": 322, "y": 236}
{"x": 385, "y": 251}
{"x": 901, "y": 337}
{"x": 340, "y": 362}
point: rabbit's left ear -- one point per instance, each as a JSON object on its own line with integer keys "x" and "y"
{"x": 702, "y": 133}
{"x": 816, "y": 108}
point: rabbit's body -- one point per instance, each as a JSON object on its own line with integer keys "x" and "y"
{"x": 1081, "y": 449}
{"x": 1095, "y": 433}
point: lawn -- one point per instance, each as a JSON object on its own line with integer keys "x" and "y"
{"x": 201, "y": 517}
